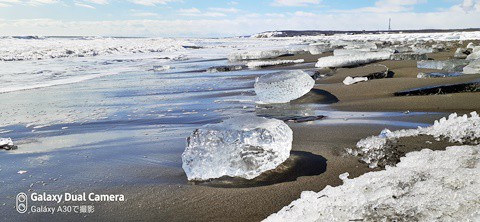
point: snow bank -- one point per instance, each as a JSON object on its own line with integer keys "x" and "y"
{"x": 351, "y": 60}
{"x": 425, "y": 186}
{"x": 245, "y": 146}
{"x": 284, "y": 86}
{"x": 381, "y": 151}
{"x": 258, "y": 64}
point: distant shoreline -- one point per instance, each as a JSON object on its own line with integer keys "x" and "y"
{"x": 293, "y": 33}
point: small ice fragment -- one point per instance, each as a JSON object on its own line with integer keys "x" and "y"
{"x": 161, "y": 68}
{"x": 470, "y": 45}
{"x": 284, "y": 86}
{"x": 245, "y": 146}
{"x": 7, "y": 144}
{"x": 344, "y": 176}
{"x": 461, "y": 53}
{"x": 349, "y": 80}
{"x": 455, "y": 65}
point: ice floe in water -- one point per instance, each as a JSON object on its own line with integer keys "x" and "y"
{"x": 284, "y": 86}
{"x": 259, "y": 64}
{"x": 381, "y": 150}
{"x": 244, "y": 146}
{"x": 425, "y": 186}
{"x": 352, "y": 60}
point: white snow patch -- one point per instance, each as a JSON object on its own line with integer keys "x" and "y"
{"x": 425, "y": 186}
{"x": 377, "y": 150}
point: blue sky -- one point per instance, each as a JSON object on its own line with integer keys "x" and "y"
{"x": 226, "y": 18}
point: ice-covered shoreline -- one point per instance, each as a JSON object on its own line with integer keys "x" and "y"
{"x": 425, "y": 186}
{"x": 14, "y": 49}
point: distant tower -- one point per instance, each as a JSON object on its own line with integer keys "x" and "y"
{"x": 389, "y": 24}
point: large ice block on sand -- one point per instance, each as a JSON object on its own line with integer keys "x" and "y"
{"x": 455, "y": 65}
{"x": 252, "y": 55}
{"x": 472, "y": 68}
{"x": 425, "y": 186}
{"x": 245, "y": 146}
{"x": 352, "y": 60}
{"x": 284, "y": 86}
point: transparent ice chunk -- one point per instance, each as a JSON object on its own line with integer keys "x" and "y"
{"x": 284, "y": 86}
{"x": 245, "y": 146}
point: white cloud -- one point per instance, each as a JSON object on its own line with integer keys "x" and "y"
{"x": 98, "y": 2}
{"x": 304, "y": 14}
{"x": 278, "y": 15}
{"x": 84, "y": 5}
{"x": 194, "y": 12}
{"x": 144, "y": 14}
{"x": 151, "y": 2}
{"x": 470, "y": 6}
{"x": 225, "y": 10}
{"x": 189, "y": 10}
{"x": 7, "y": 3}
{"x": 383, "y": 6}
{"x": 242, "y": 25}
{"x": 295, "y": 2}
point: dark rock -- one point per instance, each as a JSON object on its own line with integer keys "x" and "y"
{"x": 408, "y": 56}
{"x": 225, "y": 68}
{"x": 442, "y": 89}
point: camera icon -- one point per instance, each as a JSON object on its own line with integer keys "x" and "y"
{"x": 21, "y": 203}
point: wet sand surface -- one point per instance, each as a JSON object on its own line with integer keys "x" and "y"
{"x": 146, "y": 168}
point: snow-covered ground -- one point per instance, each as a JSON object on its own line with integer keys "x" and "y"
{"x": 425, "y": 186}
